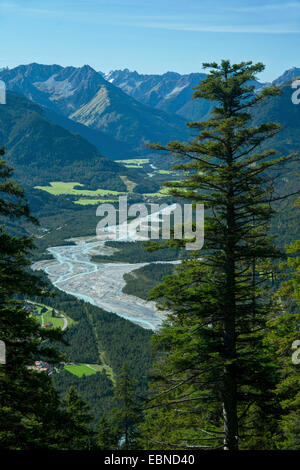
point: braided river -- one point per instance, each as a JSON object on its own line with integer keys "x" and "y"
{"x": 72, "y": 271}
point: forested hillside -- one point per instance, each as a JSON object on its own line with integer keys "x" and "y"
{"x": 41, "y": 151}
{"x": 99, "y": 337}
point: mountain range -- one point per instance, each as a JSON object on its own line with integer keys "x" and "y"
{"x": 83, "y": 95}
{"x": 172, "y": 92}
{"x": 42, "y": 150}
{"x": 39, "y": 150}
{"x": 72, "y": 122}
{"x": 118, "y": 112}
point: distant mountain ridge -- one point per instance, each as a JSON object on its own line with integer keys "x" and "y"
{"x": 114, "y": 112}
{"x": 119, "y": 112}
{"x": 172, "y": 92}
{"x": 81, "y": 116}
{"x": 62, "y": 89}
{"x": 83, "y": 95}
{"x": 287, "y": 76}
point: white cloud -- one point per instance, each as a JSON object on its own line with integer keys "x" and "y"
{"x": 265, "y": 7}
{"x": 263, "y": 29}
{"x": 221, "y": 19}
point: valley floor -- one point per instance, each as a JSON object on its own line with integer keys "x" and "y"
{"x": 100, "y": 284}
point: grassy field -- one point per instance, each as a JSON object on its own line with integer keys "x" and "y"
{"x": 84, "y": 369}
{"x": 134, "y": 162}
{"x": 165, "y": 172}
{"x": 127, "y": 165}
{"x": 56, "y": 321}
{"x": 87, "y": 202}
{"x": 47, "y": 318}
{"x": 58, "y": 188}
{"x": 80, "y": 369}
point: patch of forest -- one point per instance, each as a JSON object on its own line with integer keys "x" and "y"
{"x": 136, "y": 252}
{"x": 141, "y": 281}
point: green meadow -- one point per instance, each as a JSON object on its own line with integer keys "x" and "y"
{"x": 134, "y": 162}
{"x": 87, "y": 202}
{"x": 46, "y": 317}
{"x": 84, "y": 369}
{"x": 58, "y": 188}
{"x": 165, "y": 172}
{"x": 80, "y": 370}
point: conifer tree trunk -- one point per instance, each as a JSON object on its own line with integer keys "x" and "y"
{"x": 229, "y": 384}
{"x": 229, "y": 387}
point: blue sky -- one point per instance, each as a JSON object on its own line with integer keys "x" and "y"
{"x": 150, "y": 36}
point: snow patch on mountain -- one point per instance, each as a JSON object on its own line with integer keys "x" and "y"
{"x": 109, "y": 76}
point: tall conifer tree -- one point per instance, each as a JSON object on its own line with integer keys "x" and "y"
{"x": 126, "y": 415}
{"x": 215, "y": 380}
